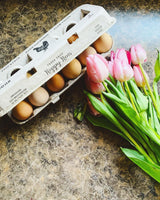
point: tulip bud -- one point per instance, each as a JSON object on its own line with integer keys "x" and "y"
{"x": 97, "y": 68}
{"x": 138, "y": 54}
{"x": 95, "y": 88}
{"x": 138, "y": 76}
{"x": 122, "y": 70}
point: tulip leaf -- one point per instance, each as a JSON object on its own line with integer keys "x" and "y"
{"x": 116, "y": 91}
{"x": 133, "y": 131}
{"x": 104, "y": 123}
{"x": 155, "y": 92}
{"x": 152, "y": 169}
{"x": 157, "y": 65}
{"x": 152, "y": 117}
{"x": 156, "y": 149}
{"x": 112, "y": 79}
{"x": 79, "y": 112}
{"x": 119, "y": 87}
{"x": 106, "y": 112}
{"x": 102, "y": 108}
{"x": 142, "y": 101}
{"x": 126, "y": 111}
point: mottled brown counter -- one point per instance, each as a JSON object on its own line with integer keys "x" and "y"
{"x": 53, "y": 157}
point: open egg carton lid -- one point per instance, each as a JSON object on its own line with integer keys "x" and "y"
{"x": 49, "y": 55}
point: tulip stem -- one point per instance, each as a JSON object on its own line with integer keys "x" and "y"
{"x": 130, "y": 96}
{"x": 123, "y": 87}
{"x": 145, "y": 91}
{"x": 107, "y": 89}
{"x": 150, "y": 91}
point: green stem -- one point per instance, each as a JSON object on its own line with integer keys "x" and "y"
{"x": 145, "y": 91}
{"x": 130, "y": 96}
{"x": 107, "y": 89}
{"x": 138, "y": 147}
{"x": 102, "y": 98}
{"x": 149, "y": 89}
{"x": 123, "y": 87}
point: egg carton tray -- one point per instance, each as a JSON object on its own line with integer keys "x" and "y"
{"x": 49, "y": 55}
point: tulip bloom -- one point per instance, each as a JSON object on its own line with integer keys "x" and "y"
{"x": 138, "y": 76}
{"x": 112, "y": 56}
{"x": 121, "y": 54}
{"x": 95, "y": 88}
{"x": 110, "y": 68}
{"x": 97, "y": 68}
{"x": 122, "y": 70}
{"x": 138, "y": 54}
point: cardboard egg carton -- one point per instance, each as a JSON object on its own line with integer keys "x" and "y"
{"x": 49, "y": 55}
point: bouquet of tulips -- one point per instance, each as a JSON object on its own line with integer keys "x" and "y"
{"x": 120, "y": 99}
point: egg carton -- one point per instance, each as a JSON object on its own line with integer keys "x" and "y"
{"x": 49, "y": 55}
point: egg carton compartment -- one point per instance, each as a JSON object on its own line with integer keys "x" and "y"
{"x": 49, "y": 55}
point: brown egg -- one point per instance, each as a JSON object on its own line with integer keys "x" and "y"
{"x": 22, "y": 111}
{"x": 56, "y": 83}
{"x": 29, "y": 75}
{"x": 103, "y": 43}
{"x": 39, "y": 97}
{"x": 82, "y": 57}
{"x": 72, "y": 70}
{"x": 73, "y": 38}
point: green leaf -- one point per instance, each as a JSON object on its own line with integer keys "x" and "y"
{"x": 104, "y": 123}
{"x": 79, "y": 111}
{"x": 134, "y": 131}
{"x": 141, "y": 99}
{"x": 155, "y": 92}
{"x": 119, "y": 87}
{"x": 106, "y": 112}
{"x": 152, "y": 117}
{"x": 152, "y": 169}
{"x": 126, "y": 111}
{"x": 156, "y": 150}
{"x": 112, "y": 79}
{"x": 101, "y": 108}
{"x": 157, "y": 65}
{"x": 116, "y": 92}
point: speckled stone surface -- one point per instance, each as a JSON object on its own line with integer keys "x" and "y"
{"x": 53, "y": 157}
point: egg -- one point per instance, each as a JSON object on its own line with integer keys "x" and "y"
{"x": 73, "y": 69}
{"x": 56, "y": 83}
{"x": 39, "y": 97}
{"x": 29, "y": 75}
{"x": 82, "y": 57}
{"x": 103, "y": 43}
{"x": 73, "y": 38}
{"x": 22, "y": 111}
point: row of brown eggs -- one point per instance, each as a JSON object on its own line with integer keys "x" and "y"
{"x": 40, "y": 97}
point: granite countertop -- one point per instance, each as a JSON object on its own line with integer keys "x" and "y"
{"x": 52, "y": 157}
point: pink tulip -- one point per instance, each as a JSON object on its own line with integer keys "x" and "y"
{"x": 110, "y": 68}
{"x": 97, "y": 68}
{"x": 122, "y": 70}
{"x": 95, "y": 88}
{"x": 138, "y": 76}
{"x": 112, "y": 56}
{"x": 92, "y": 110}
{"x": 121, "y": 54}
{"x": 124, "y": 55}
{"x": 138, "y": 54}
